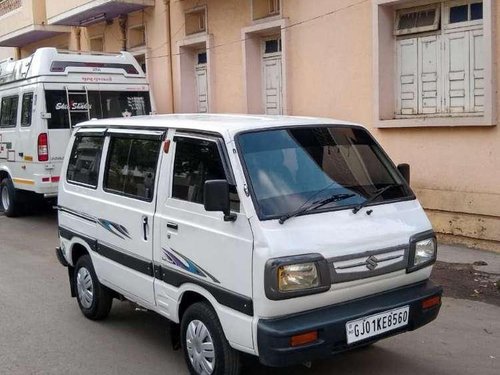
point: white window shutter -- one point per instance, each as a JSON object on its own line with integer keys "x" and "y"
{"x": 457, "y": 83}
{"x": 476, "y": 71}
{"x": 407, "y": 73}
{"x": 429, "y": 92}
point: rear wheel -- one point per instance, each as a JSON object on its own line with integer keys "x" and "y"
{"x": 206, "y": 349}
{"x": 8, "y": 198}
{"x": 94, "y": 299}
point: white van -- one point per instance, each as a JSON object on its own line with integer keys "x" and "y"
{"x": 42, "y": 97}
{"x": 287, "y": 238}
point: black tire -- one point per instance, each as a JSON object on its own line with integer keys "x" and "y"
{"x": 13, "y": 207}
{"x": 226, "y": 360}
{"x": 100, "y": 303}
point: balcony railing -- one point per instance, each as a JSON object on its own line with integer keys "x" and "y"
{"x": 7, "y": 6}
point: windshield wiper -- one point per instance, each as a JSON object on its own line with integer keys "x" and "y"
{"x": 373, "y": 197}
{"x": 316, "y": 205}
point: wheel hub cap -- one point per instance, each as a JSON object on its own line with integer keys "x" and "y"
{"x": 5, "y": 199}
{"x": 85, "y": 287}
{"x": 200, "y": 348}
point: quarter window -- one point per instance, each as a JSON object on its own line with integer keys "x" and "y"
{"x": 131, "y": 168}
{"x": 8, "y": 113}
{"x": 26, "y": 109}
{"x": 85, "y": 161}
{"x": 197, "y": 161}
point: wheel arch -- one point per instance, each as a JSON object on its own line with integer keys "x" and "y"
{"x": 4, "y": 173}
{"x": 188, "y": 298}
{"x": 237, "y": 327}
{"x": 77, "y": 249}
{"x": 191, "y": 294}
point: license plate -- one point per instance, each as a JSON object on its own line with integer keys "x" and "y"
{"x": 374, "y": 325}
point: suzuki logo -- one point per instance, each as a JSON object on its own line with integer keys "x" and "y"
{"x": 371, "y": 263}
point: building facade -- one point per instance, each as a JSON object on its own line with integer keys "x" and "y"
{"x": 421, "y": 75}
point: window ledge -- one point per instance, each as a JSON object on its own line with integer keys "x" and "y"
{"x": 432, "y": 121}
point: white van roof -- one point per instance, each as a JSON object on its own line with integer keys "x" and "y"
{"x": 211, "y": 122}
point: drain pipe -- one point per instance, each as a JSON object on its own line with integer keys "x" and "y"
{"x": 78, "y": 33}
{"x": 169, "y": 39}
{"x": 122, "y": 22}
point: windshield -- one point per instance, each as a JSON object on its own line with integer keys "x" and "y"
{"x": 102, "y": 104}
{"x": 290, "y": 169}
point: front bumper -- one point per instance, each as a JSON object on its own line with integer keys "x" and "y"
{"x": 273, "y": 335}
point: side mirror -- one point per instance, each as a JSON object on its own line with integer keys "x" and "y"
{"x": 404, "y": 169}
{"x": 216, "y": 198}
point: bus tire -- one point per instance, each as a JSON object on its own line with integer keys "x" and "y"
{"x": 8, "y": 198}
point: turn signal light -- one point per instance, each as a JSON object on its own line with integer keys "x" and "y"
{"x": 431, "y": 302}
{"x": 304, "y": 338}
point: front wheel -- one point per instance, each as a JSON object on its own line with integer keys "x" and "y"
{"x": 206, "y": 349}
{"x": 94, "y": 299}
{"x": 8, "y": 198}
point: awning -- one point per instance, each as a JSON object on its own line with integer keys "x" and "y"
{"x": 31, "y": 34}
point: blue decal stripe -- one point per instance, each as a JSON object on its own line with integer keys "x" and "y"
{"x": 186, "y": 264}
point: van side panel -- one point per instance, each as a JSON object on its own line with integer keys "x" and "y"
{"x": 197, "y": 250}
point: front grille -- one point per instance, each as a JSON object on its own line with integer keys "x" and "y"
{"x": 368, "y": 264}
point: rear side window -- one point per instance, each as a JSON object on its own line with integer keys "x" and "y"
{"x": 84, "y": 162}
{"x": 26, "y": 109}
{"x": 131, "y": 167}
{"x": 57, "y": 105}
{"x": 101, "y": 104}
{"x": 8, "y": 112}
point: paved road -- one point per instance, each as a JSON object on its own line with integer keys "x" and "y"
{"x": 43, "y": 332}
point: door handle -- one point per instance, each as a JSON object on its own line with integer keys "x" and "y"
{"x": 173, "y": 226}
{"x": 145, "y": 227}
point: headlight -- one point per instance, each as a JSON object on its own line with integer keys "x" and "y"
{"x": 296, "y": 276}
{"x": 423, "y": 251}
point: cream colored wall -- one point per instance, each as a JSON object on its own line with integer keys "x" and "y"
{"x": 6, "y": 52}
{"x": 225, "y": 20}
{"x": 158, "y": 59}
{"x": 31, "y": 12}
{"x": 455, "y": 170}
{"x": 55, "y": 7}
{"x": 329, "y": 59}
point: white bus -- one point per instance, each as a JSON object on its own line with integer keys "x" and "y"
{"x": 42, "y": 97}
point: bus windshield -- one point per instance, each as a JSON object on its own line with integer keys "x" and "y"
{"x": 308, "y": 169}
{"x": 101, "y": 104}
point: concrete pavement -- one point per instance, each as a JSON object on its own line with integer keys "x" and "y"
{"x": 461, "y": 254}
